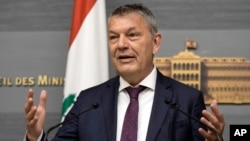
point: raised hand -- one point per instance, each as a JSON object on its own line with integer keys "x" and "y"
{"x": 35, "y": 115}
{"x": 213, "y": 119}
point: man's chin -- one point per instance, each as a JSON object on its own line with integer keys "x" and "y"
{"x": 126, "y": 72}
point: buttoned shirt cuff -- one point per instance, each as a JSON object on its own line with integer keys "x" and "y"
{"x": 39, "y": 138}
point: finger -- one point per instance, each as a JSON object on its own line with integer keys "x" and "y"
{"x": 32, "y": 123}
{"x": 203, "y": 132}
{"x": 211, "y": 121}
{"x": 216, "y": 111}
{"x": 206, "y": 122}
{"x": 29, "y": 101}
{"x": 43, "y": 99}
{"x": 218, "y": 119}
{"x": 28, "y": 105}
{"x": 209, "y": 116}
{"x": 207, "y": 135}
{"x": 215, "y": 118}
{"x": 30, "y": 94}
{"x": 31, "y": 114}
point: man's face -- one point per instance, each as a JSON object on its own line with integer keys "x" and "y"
{"x": 132, "y": 45}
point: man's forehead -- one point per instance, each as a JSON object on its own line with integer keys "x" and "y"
{"x": 125, "y": 19}
{"x": 125, "y": 15}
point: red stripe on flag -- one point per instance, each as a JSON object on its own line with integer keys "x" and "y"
{"x": 80, "y": 11}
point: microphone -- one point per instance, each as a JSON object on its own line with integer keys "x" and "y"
{"x": 177, "y": 107}
{"x": 93, "y": 106}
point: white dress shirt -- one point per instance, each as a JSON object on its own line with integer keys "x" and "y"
{"x": 146, "y": 98}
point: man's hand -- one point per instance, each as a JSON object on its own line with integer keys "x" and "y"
{"x": 35, "y": 115}
{"x": 213, "y": 119}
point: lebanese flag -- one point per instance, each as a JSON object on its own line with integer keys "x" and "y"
{"x": 87, "y": 62}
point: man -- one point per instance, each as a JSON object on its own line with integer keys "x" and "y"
{"x": 133, "y": 42}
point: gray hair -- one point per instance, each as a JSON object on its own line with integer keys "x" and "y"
{"x": 142, "y": 10}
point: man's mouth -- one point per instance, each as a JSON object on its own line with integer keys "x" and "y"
{"x": 125, "y": 57}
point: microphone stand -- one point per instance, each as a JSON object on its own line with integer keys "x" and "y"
{"x": 94, "y": 106}
{"x": 177, "y": 107}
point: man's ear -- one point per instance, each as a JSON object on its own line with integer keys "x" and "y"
{"x": 157, "y": 43}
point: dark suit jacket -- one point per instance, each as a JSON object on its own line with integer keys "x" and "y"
{"x": 166, "y": 123}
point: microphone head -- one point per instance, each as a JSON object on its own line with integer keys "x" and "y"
{"x": 172, "y": 104}
{"x": 175, "y": 105}
{"x": 168, "y": 101}
{"x": 95, "y": 105}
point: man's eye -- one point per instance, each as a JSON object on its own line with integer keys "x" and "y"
{"x": 112, "y": 37}
{"x": 133, "y": 35}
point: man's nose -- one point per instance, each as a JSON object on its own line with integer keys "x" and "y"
{"x": 123, "y": 42}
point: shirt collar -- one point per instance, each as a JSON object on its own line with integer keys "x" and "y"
{"x": 148, "y": 82}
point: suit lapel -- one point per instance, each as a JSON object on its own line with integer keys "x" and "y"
{"x": 160, "y": 108}
{"x": 109, "y": 104}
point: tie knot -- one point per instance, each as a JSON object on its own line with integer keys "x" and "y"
{"x": 134, "y": 91}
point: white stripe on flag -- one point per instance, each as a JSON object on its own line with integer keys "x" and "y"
{"x": 87, "y": 63}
